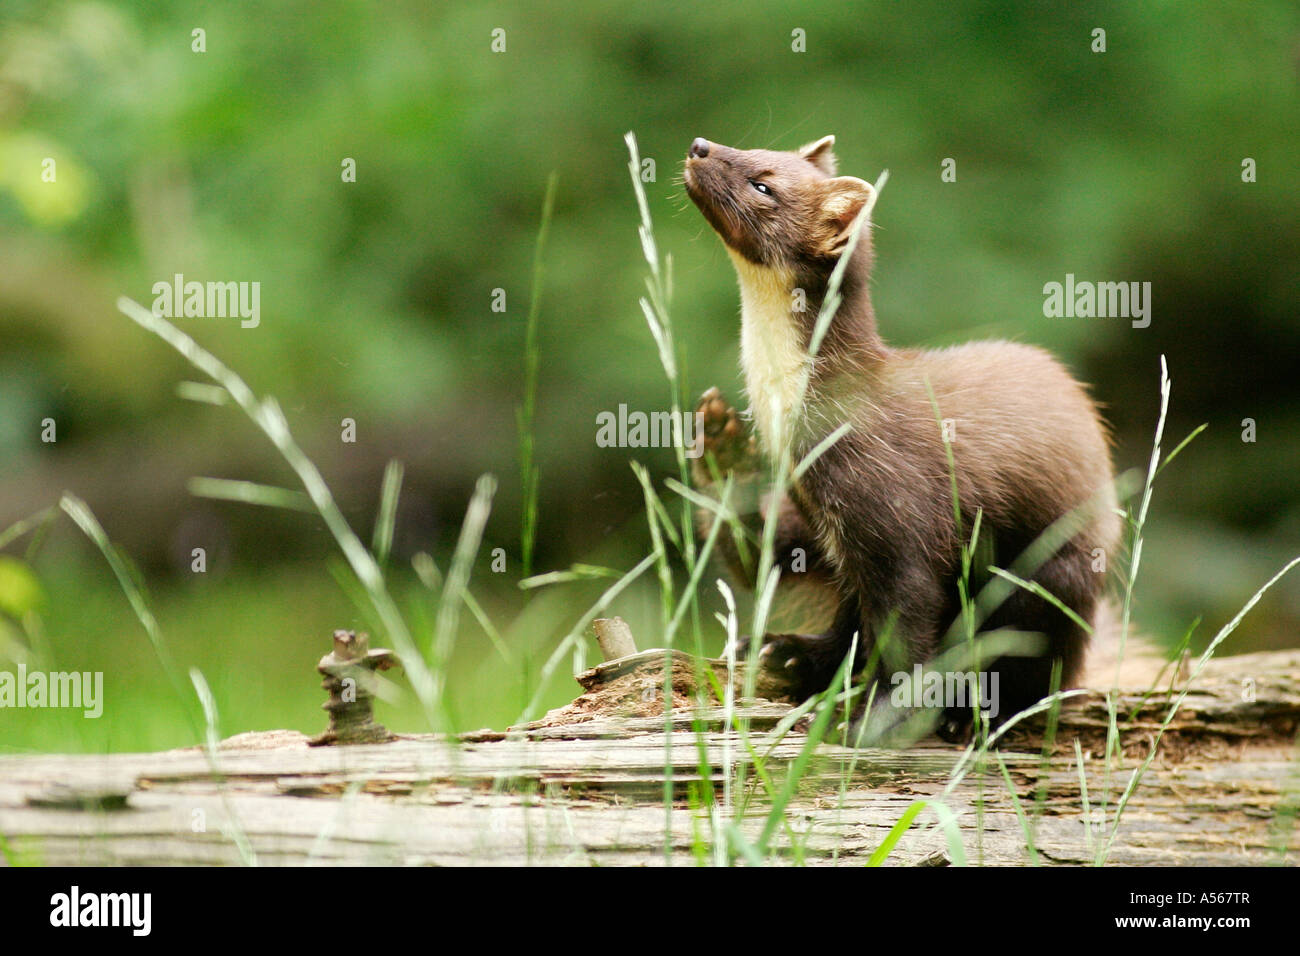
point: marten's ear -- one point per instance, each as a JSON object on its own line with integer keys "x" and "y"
{"x": 820, "y": 155}
{"x": 842, "y": 200}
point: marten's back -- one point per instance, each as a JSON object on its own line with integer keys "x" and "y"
{"x": 1028, "y": 445}
{"x": 1026, "y": 438}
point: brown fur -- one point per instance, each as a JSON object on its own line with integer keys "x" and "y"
{"x": 875, "y": 512}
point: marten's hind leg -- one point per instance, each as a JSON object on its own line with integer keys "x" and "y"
{"x": 1018, "y": 682}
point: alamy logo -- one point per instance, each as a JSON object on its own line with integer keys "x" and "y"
{"x": 1098, "y": 300}
{"x": 208, "y": 300}
{"x": 75, "y": 689}
{"x": 961, "y": 690}
{"x": 651, "y": 430}
{"x": 75, "y": 908}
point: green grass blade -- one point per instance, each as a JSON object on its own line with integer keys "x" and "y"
{"x": 1025, "y": 828}
{"x": 1181, "y": 445}
{"x": 576, "y": 572}
{"x": 250, "y": 493}
{"x": 1034, "y": 587}
{"x": 881, "y": 853}
{"x": 85, "y": 519}
{"x": 457, "y": 581}
{"x": 212, "y": 739}
{"x": 202, "y": 392}
{"x": 24, "y": 525}
{"x": 529, "y": 474}
{"x": 382, "y": 540}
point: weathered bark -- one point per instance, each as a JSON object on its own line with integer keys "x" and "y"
{"x": 1222, "y": 790}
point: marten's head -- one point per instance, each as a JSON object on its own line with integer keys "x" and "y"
{"x": 779, "y": 210}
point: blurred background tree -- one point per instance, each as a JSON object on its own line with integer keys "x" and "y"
{"x": 376, "y": 295}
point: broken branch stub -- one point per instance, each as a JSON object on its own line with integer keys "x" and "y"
{"x": 614, "y": 637}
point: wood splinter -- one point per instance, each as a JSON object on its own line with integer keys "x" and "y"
{"x": 350, "y": 679}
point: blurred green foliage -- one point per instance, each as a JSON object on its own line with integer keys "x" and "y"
{"x": 376, "y": 295}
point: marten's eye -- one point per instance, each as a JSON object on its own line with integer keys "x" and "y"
{"x": 764, "y": 188}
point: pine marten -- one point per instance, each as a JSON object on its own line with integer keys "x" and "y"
{"x": 872, "y": 521}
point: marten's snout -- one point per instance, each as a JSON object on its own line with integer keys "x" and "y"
{"x": 699, "y": 148}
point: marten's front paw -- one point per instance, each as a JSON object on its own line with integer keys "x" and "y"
{"x": 720, "y": 434}
{"x": 796, "y": 666}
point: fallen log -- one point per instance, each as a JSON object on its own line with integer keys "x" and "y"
{"x": 587, "y": 786}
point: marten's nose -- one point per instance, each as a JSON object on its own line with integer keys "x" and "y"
{"x": 699, "y": 148}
